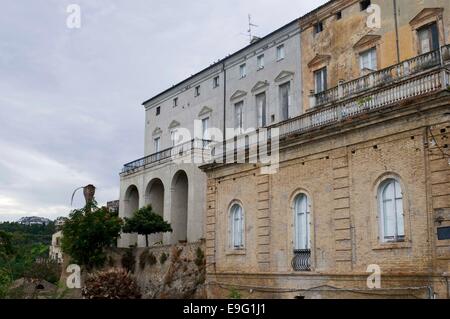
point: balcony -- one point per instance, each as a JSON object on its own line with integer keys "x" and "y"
{"x": 301, "y": 260}
{"x": 420, "y": 76}
{"x": 371, "y": 99}
{"x": 179, "y": 151}
{"x": 384, "y": 77}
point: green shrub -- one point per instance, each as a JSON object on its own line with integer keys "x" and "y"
{"x": 234, "y": 294}
{"x": 88, "y": 232}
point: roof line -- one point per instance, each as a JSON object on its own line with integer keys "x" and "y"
{"x": 221, "y": 61}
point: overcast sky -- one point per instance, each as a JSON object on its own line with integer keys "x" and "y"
{"x": 70, "y": 99}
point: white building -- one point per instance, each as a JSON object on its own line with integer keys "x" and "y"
{"x": 255, "y": 87}
{"x": 55, "y": 251}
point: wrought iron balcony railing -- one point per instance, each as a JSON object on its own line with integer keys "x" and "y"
{"x": 165, "y": 155}
{"x": 382, "y": 77}
{"x": 301, "y": 260}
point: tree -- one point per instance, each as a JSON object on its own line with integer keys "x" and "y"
{"x": 146, "y": 222}
{"x": 6, "y": 247}
{"x": 87, "y": 233}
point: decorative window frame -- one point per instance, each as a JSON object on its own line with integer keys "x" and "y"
{"x": 291, "y": 231}
{"x": 367, "y": 42}
{"x": 425, "y": 17}
{"x": 283, "y": 78}
{"x": 259, "y": 88}
{"x": 230, "y": 250}
{"x": 375, "y": 220}
{"x": 320, "y": 61}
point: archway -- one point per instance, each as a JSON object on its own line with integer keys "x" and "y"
{"x": 131, "y": 205}
{"x": 154, "y": 196}
{"x": 179, "y": 214}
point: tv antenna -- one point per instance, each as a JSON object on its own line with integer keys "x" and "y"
{"x": 250, "y": 26}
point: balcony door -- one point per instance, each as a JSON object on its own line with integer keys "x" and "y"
{"x": 428, "y": 37}
{"x": 157, "y": 147}
{"x": 261, "y": 109}
{"x": 285, "y": 97}
{"x": 302, "y": 227}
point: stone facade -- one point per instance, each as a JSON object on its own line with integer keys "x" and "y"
{"x": 349, "y": 141}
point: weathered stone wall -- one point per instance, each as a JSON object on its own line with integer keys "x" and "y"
{"x": 340, "y": 168}
{"x": 164, "y": 272}
{"x": 338, "y": 46}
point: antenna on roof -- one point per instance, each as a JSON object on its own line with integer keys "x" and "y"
{"x": 249, "y": 31}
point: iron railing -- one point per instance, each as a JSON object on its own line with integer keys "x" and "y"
{"x": 301, "y": 260}
{"x": 379, "y": 78}
{"x": 407, "y": 80}
{"x": 411, "y": 87}
{"x": 169, "y": 153}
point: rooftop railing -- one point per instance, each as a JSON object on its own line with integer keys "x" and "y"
{"x": 379, "y": 78}
{"x": 165, "y": 155}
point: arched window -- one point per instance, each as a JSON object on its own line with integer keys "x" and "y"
{"x": 302, "y": 228}
{"x": 236, "y": 227}
{"x": 391, "y": 211}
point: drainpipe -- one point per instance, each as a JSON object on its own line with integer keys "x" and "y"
{"x": 396, "y": 31}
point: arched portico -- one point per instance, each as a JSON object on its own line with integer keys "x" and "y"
{"x": 179, "y": 206}
{"x": 131, "y": 205}
{"x": 154, "y": 196}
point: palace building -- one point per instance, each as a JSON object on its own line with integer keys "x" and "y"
{"x": 358, "y": 93}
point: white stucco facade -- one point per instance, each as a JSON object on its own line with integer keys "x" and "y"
{"x": 178, "y": 192}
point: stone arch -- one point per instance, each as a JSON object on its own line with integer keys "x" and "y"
{"x": 179, "y": 206}
{"x": 131, "y": 201}
{"x": 131, "y": 205}
{"x": 154, "y": 195}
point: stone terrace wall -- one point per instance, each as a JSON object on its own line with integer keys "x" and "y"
{"x": 164, "y": 272}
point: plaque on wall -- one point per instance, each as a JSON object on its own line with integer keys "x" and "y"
{"x": 443, "y": 233}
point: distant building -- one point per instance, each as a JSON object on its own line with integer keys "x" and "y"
{"x": 34, "y": 220}
{"x": 59, "y": 222}
{"x": 55, "y": 252}
{"x": 113, "y": 206}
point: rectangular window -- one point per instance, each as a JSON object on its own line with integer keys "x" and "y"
{"x": 197, "y": 90}
{"x": 243, "y": 71}
{"x": 216, "y": 82}
{"x": 280, "y": 52}
{"x": 175, "y": 102}
{"x": 285, "y": 100}
{"x": 238, "y": 115}
{"x": 318, "y": 27}
{"x": 158, "y": 110}
{"x": 205, "y": 123}
{"x": 260, "y": 62}
{"x": 339, "y": 15}
{"x": 364, "y": 4}
{"x": 157, "y": 144}
{"x": 173, "y": 137}
{"x": 428, "y": 38}
{"x": 368, "y": 60}
{"x": 320, "y": 79}
{"x": 261, "y": 109}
